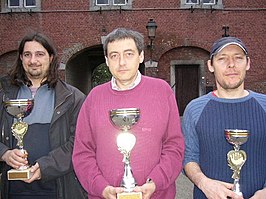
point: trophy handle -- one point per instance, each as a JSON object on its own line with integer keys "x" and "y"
{"x": 5, "y": 98}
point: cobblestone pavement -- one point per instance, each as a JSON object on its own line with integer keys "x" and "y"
{"x": 184, "y": 188}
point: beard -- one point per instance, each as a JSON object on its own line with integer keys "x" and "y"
{"x": 36, "y": 73}
{"x": 229, "y": 86}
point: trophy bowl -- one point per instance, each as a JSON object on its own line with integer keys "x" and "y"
{"x": 125, "y": 118}
{"x": 236, "y": 136}
{"x": 19, "y": 108}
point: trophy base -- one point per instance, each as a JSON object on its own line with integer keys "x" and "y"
{"x": 131, "y": 195}
{"x": 14, "y": 174}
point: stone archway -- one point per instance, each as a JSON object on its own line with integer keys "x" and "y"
{"x": 7, "y": 61}
{"x": 79, "y": 68}
{"x": 185, "y": 69}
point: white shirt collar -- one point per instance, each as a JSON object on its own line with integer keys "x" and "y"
{"x": 133, "y": 85}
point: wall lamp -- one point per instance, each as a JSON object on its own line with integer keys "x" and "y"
{"x": 151, "y": 28}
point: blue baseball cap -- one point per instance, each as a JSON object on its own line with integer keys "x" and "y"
{"x": 225, "y": 41}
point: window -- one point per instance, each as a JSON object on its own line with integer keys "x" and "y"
{"x": 21, "y": 3}
{"x": 13, "y": 3}
{"x": 106, "y": 2}
{"x": 119, "y": 2}
{"x": 110, "y": 4}
{"x": 102, "y": 2}
{"x": 203, "y": 4}
{"x": 192, "y": 1}
{"x": 209, "y": 2}
{"x": 206, "y": 2}
{"x": 29, "y": 3}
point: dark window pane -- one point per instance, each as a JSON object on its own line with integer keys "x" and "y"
{"x": 102, "y": 2}
{"x": 13, "y": 3}
{"x": 30, "y": 2}
{"x": 119, "y": 2}
{"x": 192, "y": 1}
{"x": 209, "y": 1}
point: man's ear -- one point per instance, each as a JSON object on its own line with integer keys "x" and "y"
{"x": 51, "y": 58}
{"x": 248, "y": 63}
{"x": 141, "y": 57}
{"x": 106, "y": 61}
{"x": 210, "y": 67}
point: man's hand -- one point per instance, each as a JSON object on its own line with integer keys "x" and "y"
{"x": 215, "y": 189}
{"x": 15, "y": 158}
{"x": 260, "y": 194}
{"x": 110, "y": 192}
{"x": 36, "y": 173}
{"x": 147, "y": 189}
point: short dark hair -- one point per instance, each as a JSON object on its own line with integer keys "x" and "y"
{"x": 123, "y": 33}
{"x": 17, "y": 73}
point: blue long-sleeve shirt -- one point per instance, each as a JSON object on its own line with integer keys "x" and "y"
{"x": 204, "y": 121}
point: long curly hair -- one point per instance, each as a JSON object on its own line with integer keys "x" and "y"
{"x": 18, "y": 74}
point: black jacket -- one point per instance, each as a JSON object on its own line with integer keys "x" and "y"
{"x": 57, "y": 165}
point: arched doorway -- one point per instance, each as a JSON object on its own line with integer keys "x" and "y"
{"x": 80, "y": 67}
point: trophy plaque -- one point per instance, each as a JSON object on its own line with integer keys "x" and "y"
{"x": 19, "y": 108}
{"x": 124, "y": 119}
{"x": 236, "y": 158}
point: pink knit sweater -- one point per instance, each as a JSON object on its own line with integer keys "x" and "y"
{"x": 159, "y": 149}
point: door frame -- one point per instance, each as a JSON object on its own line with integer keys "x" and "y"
{"x": 201, "y": 78}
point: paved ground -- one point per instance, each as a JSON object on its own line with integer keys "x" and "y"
{"x": 184, "y": 188}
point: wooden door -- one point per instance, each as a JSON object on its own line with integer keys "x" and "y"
{"x": 187, "y": 85}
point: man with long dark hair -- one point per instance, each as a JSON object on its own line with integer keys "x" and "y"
{"x": 51, "y": 125}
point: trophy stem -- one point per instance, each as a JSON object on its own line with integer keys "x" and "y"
{"x": 236, "y": 147}
{"x": 128, "y": 181}
{"x": 236, "y": 187}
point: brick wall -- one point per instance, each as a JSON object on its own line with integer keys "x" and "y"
{"x": 70, "y": 23}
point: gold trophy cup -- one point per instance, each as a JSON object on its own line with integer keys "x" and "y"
{"x": 19, "y": 108}
{"x": 124, "y": 119}
{"x": 236, "y": 158}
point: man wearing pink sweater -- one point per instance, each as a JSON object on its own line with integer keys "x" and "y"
{"x": 156, "y": 159}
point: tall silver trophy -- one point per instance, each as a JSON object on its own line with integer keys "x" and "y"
{"x": 236, "y": 158}
{"x": 19, "y": 108}
{"x": 124, "y": 119}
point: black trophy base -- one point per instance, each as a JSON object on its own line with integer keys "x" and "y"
{"x": 15, "y": 174}
{"x": 130, "y": 195}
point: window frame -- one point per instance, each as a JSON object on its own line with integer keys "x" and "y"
{"x": 9, "y": 6}
{"x": 210, "y": 3}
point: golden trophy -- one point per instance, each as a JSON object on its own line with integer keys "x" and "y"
{"x": 236, "y": 158}
{"x": 19, "y": 108}
{"x": 124, "y": 119}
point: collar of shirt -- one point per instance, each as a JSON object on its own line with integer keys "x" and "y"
{"x": 133, "y": 85}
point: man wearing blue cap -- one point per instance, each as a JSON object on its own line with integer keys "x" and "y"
{"x": 228, "y": 107}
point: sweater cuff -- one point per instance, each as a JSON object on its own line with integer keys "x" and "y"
{"x": 157, "y": 181}
{"x": 99, "y": 186}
